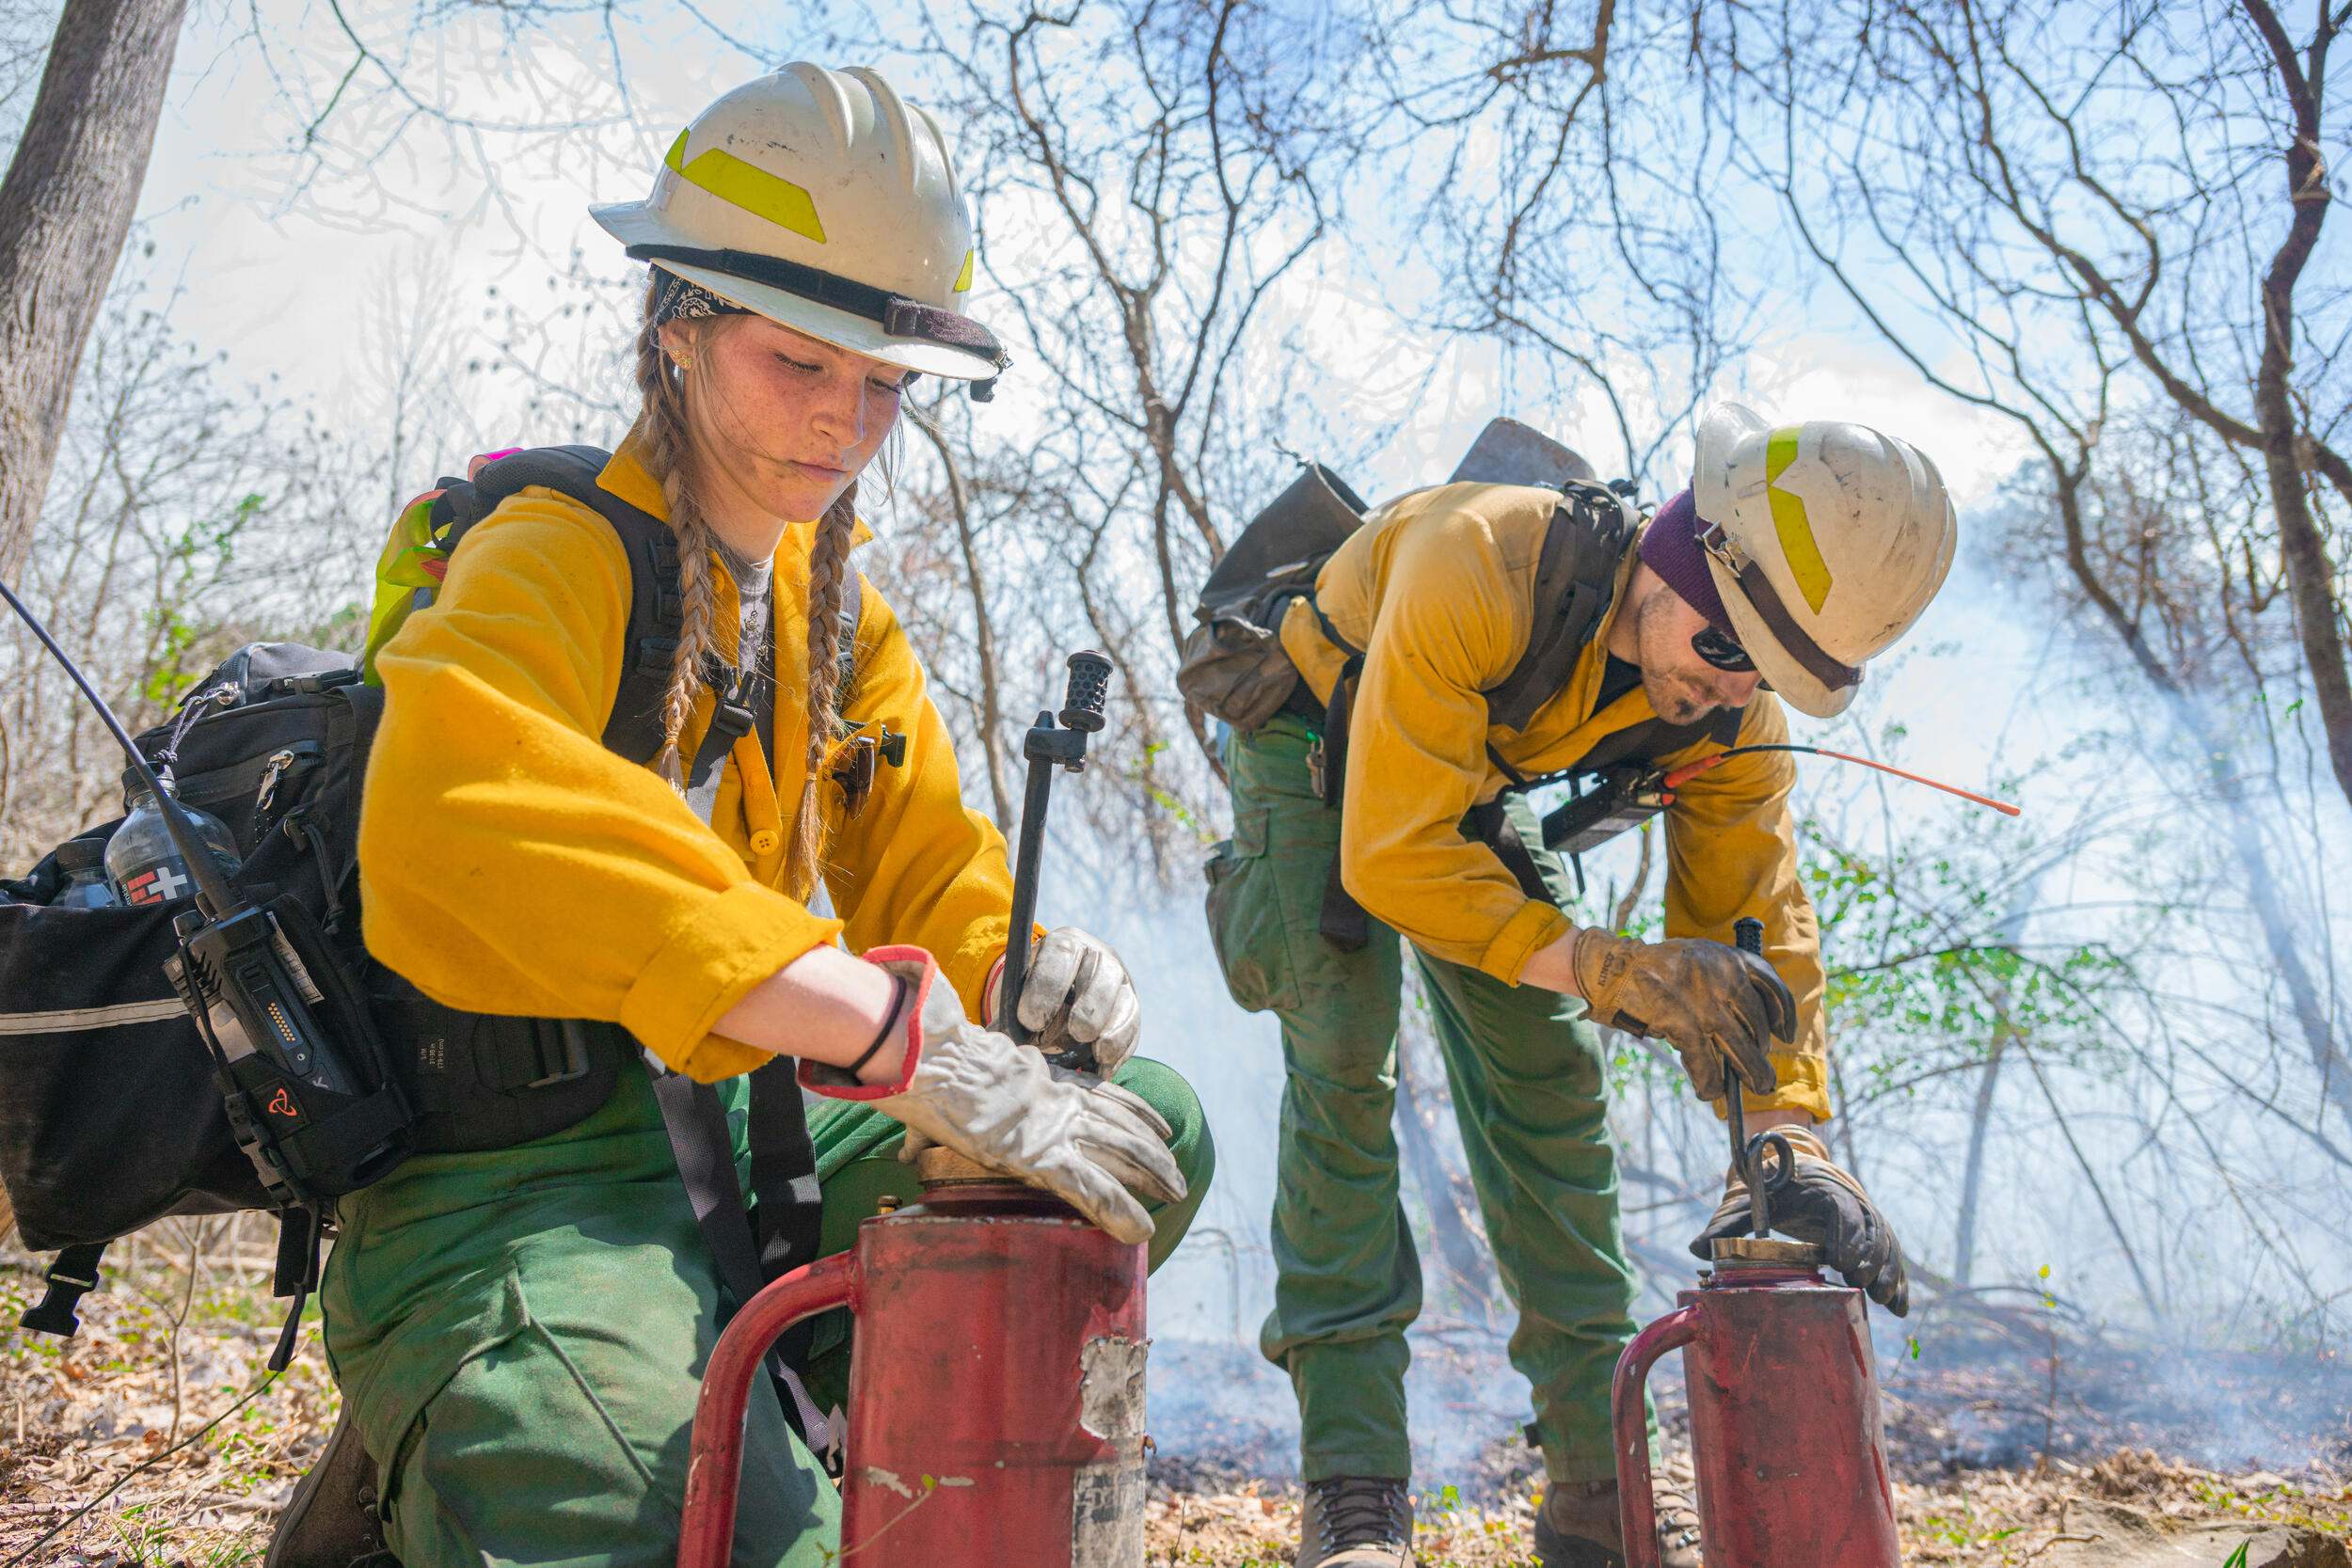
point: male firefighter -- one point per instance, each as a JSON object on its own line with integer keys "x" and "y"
{"x": 1799, "y": 552}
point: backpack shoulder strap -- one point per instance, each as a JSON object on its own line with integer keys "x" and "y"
{"x": 852, "y": 610}
{"x": 655, "y": 610}
{"x": 1575, "y": 578}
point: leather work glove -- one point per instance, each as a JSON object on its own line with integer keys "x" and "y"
{"x": 1709, "y": 1001}
{"x": 1823, "y": 1205}
{"x": 1083, "y": 1140}
{"x": 1076, "y": 992}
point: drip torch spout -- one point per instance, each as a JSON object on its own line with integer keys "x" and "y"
{"x": 1747, "y": 1154}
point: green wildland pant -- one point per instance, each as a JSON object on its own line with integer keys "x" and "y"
{"x": 521, "y": 1335}
{"x": 1526, "y": 1070}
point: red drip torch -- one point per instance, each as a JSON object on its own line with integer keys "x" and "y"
{"x": 1785, "y": 1434}
{"x": 997, "y": 1374}
{"x": 998, "y": 1371}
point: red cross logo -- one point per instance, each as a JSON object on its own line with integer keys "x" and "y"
{"x": 158, "y": 886}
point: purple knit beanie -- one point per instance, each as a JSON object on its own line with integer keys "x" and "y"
{"x": 1670, "y": 547}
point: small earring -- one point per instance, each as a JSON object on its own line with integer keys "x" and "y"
{"x": 683, "y": 361}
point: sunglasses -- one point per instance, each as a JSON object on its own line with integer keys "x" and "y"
{"x": 1720, "y": 650}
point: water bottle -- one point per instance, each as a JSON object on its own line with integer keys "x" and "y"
{"x": 142, "y": 862}
{"x": 84, "y": 863}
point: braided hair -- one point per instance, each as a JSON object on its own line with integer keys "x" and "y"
{"x": 828, "y": 576}
{"x": 663, "y": 390}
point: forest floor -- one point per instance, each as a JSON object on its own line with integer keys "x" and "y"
{"x": 146, "y": 1400}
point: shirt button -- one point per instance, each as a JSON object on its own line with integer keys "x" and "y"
{"x": 765, "y": 840}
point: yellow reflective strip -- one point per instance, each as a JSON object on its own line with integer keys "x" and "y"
{"x": 675, "y": 157}
{"x": 756, "y": 191}
{"x": 964, "y": 278}
{"x": 1789, "y": 521}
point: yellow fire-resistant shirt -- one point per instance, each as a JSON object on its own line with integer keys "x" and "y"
{"x": 1437, "y": 589}
{"x": 511, "y": 864}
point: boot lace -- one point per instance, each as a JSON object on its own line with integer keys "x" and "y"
{"x": 1677, "y": 1519}
{"x": 1360, "y": 1510}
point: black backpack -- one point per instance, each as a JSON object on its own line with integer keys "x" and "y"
{"x": 111, "y": 1112}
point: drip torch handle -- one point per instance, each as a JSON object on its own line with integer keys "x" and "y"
{"x": 1747, "y": 934}
{"x": 714, "y": 1476}
{"x": 1047, "y": 748}
{"x": 1628, "y": 1419}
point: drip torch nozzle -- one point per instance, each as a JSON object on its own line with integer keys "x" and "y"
{"x": 1090, "y": 686}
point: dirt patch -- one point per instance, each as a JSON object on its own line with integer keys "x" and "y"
{"x": 2062, "y": 1518}
{"x": 173, "y": 1343}
{"x": 179, "y": 1336}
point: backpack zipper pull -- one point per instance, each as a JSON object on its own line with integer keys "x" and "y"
{"x": 279, "y": 763}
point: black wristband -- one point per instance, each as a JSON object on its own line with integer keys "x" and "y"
{"x": 890, "y": 1022}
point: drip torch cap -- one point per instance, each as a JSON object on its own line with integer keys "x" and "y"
{"x": 1764, "y": 1252}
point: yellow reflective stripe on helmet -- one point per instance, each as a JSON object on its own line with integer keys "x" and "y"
{"x": 1789, "y": 521}
{"x": 750, "y": 187}
{"x": 964, "y": 278}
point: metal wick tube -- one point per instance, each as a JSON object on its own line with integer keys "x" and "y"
{"x": 1046, "y": 748}
{"x": 1026, "y": 862}
{"x": 1747, "y": 933}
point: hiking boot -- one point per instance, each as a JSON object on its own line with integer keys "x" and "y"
{"x": 330, "y": 1521}
{"x": 1356, "y": 1521}
{"x": 1577, "y": 1527}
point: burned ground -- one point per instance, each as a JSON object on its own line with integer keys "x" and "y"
{"x": 2152, "y": 1459}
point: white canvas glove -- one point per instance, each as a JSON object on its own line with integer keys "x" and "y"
{"x": 1076, "y": 992}
{"x": 1081, "y": 1139}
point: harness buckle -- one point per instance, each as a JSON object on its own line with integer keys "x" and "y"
{"x": 68, "y": 1284}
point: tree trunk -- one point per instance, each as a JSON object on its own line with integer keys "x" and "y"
{"x": 1971, "y": 1175}
{"x": 2314, "y": 1015}
{"x": 64, "y": 209}
{"x": 2012, "y": 933}
{"x": 2302, "y": 544}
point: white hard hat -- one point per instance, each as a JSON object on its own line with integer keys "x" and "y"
{"x": 1825, "y": 540}
{"x": 823, "y": 200}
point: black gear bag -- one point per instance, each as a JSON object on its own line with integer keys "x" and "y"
{"x": 112, "y": 1113}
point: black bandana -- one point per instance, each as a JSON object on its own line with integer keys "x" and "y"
{"x": 682, "y": 300}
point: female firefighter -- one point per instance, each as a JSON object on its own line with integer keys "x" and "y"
{"x": 518, "y": 1331}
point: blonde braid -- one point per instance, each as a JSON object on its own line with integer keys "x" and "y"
{"x": 665, "y": 449}
{"x": 828, "y": 570}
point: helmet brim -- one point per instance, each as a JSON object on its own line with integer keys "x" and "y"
{"x": 636, "y": 223}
